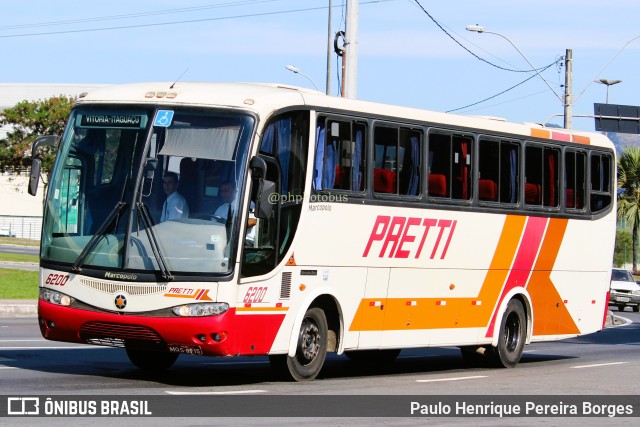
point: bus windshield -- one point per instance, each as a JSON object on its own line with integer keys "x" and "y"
{"x": 147, "y": 190}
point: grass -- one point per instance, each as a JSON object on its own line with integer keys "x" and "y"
{"x": 4, "y": 256}
{"x": 18, "y": 284}
{"x": 16, "y": 241}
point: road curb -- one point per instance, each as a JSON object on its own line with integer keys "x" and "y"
{"x": 18, "y": 308}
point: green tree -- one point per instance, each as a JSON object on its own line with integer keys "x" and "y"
{"x": 622, "y": 251}
{"x": 28, "y": 120}
{"x": 629, "y": 198}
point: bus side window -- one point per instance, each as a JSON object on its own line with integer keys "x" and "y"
{"x": 340, "y": 155}
{"x": 575, "y": 178}
{"x": 600, "y": 181}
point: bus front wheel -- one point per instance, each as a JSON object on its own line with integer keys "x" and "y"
{"x": 151, "y": 360}
{"x": 311, "y": 349}
{"x": 512, "y": 336}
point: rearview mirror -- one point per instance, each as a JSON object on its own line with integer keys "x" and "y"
{"x": 34, "y": 176}
{"x": 36, "y": 162}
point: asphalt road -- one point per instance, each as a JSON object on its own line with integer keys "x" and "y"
{"x": 15, "y": 249}
{"x": 605, "y": 363}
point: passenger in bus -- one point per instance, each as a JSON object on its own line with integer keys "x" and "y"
{"x": 225, "y": 211}
{"x": 175, "y": 207}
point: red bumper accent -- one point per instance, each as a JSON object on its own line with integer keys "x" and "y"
{"x": 223, "y": 335}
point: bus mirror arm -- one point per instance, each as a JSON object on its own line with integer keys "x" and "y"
{"x": 36, "y": 161}
{"x": 264, "y": 204}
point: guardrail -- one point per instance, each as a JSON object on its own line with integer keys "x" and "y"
{"x": 23, "y": 227}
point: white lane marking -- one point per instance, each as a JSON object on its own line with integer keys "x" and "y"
{"x": 205, "y": 393}
{"x": 597, "y": 365}
{"x": 8, "y": 367}
{"x": 40, "y": 340}
{"x": 451, "y": 379}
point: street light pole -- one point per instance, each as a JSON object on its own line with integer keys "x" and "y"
{"x": 297, "y": 71}
{"x": 608, "y": 83}
{"x": 480, "y": 29}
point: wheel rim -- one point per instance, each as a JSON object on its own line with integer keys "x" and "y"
{"x": 512, "y": 332}
{"x": 309, "y": 342}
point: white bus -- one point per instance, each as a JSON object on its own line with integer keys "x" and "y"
{"x": 318, "y": 224}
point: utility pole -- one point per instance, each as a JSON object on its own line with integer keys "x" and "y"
{"x": 350, "y": 57}
{"x": 568, "y": 97}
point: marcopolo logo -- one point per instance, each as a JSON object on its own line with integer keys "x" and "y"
{"x": 120, "y": 301}
{"x": 122, "y": 276}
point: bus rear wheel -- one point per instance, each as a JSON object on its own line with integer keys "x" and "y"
{"x": 511, "y": 338}
{"x": 151, "y": 360}
{"x": 311, "y": 349}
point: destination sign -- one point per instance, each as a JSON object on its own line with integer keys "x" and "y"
{"x": 113, "y": 120}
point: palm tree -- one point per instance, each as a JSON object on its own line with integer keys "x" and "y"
{"x": 629, "y": 194}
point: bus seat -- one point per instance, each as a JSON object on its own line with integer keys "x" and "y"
{"x": 532, "y": 193}
{"x": 384, "y": 180}
{"x": 342, "y": 177}
{"x": 569, "y": 199}
{"x": 488, "y": 190}
{"x": 437, "y": 185}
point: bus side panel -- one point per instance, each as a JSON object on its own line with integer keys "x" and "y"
{"x": 345, "y": 285}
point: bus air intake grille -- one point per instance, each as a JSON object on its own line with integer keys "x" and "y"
{"x": 130, "y": 288}
{"x": 285, "y": 287}
{"x": 121, "y": 335}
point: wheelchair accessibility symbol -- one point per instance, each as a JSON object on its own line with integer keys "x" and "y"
{"x": 163, "y": 118}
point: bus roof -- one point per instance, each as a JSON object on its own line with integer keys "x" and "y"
{"x": 265, "y": 98}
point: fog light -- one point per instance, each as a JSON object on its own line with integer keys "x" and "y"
{"x": 216, "y": 337}
{"x": 201, "y": 337}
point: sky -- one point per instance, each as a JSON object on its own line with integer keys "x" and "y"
{"x": 404, "y": 57}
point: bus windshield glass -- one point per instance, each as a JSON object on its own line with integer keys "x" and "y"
{"x": 146, "y": 190}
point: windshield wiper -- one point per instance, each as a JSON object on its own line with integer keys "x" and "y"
{"x": 151, "y": 235}
{"x": 117, "y": 210}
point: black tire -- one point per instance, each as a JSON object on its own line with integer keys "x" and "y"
{"x": 512, "y": 337}
{"x": 621, "y": 308}
{"x": 636, "y": 308}
{"x": 152, "y": 360}
{"x": 311, "y": 349}
{"x": 373, "y": 356}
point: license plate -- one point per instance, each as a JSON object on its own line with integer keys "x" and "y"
{"x": 185, "y": 349}
{"x": 622, "y": 299}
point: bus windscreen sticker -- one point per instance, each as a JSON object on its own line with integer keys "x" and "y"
{"x": 99, "y": 120}
{"x": 163, "y": 118}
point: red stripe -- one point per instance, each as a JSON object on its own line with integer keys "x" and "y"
{"x": 523, "y": 264}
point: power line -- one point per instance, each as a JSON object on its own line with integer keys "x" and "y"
{"x": 134, "y": 15}
{"x": 188, "y": 21}
{"x": 499, "y": 93}
{"x": 473, "y": 53}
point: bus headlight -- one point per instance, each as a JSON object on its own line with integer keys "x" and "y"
{"x": 201, "y": 309}
{"x": 55, "y": 297}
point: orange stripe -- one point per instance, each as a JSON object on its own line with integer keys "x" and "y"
{"x": 253, "y": 309}
{"x": 540, "y": 133}
{"x": 550, "y": 312}
{"x": 395, "y": 314}
{"x": 581, "y": 139}
{"x": 523, "y": 262}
